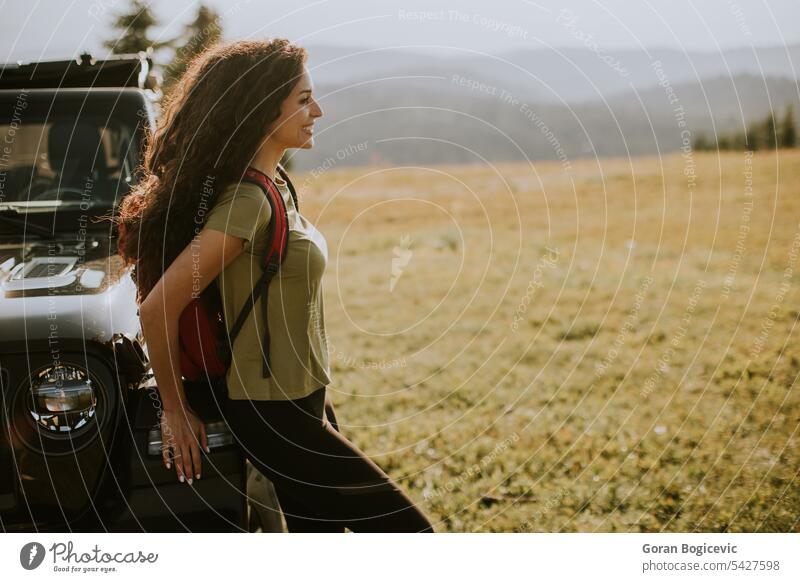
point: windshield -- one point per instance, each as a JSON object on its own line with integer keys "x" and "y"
{"x": 60, "y": 156}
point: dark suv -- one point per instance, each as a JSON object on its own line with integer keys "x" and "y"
{"x": 80, "y": 445}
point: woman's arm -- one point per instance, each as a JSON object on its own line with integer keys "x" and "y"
{"x": 191, "y": 272}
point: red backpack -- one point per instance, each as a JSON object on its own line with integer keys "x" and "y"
{"x": 205, "y": 345}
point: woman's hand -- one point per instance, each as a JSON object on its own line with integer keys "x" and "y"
{"x": 159, "y": 314}
{"x": 184, "y": 433}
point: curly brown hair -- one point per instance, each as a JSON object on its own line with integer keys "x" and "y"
{"x": 214, "y": 121}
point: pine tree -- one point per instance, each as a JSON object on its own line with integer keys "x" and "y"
{"x": 202, "y": 32}
{"x": 770, "y": 132}
{"x": 751, "y": 138}
{"x": 701, "y": 142}
{"x": 739, "y": 141}
{"x": 133, "y": 26}
{"x": 788, "y": 129}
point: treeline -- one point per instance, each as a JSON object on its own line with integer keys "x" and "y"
{"x": 133, "y": 27}
{"x": 767, "y": 134}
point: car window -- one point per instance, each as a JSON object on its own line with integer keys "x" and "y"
{"x": 66, "y": 158}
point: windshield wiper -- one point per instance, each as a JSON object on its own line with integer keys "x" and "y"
{"x": 25, "y": 225}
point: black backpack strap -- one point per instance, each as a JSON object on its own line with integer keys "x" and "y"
{"x": 258, "y": 290}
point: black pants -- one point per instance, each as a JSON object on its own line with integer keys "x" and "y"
{"x": 323, "y": 481}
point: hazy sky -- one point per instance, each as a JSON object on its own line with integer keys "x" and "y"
{"x": 32, "y": 29}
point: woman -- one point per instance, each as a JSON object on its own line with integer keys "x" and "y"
{"x": 240, "y": 106}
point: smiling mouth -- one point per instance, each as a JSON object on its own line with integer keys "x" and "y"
{"x": 309, "y": 129}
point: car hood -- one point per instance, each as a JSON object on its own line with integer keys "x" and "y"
{"x": 70, "y": 288}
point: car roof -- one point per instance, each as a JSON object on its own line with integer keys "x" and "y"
{"x": 78, "y": 92}
{"x": 131, "y": 70}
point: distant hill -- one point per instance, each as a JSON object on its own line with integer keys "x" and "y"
{"x": 435, "y": 120}
{"x": 556, "y": 74}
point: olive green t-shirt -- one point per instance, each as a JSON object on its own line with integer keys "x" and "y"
{"x": 298, "y": 345}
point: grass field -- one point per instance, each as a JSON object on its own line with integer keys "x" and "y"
{"x": 608, "y": 348}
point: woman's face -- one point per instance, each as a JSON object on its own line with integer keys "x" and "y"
{"x": 294, "y": 128}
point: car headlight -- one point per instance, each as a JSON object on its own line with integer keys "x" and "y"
{"x": 62, "y": 399}
{"x": 64, "y": 406}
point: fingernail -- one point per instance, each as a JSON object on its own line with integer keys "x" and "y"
{"x": 197, "y": 476}
{"x": 208, "y": 450}
{"x": 169, "y": 465}
{"x": 190, "y": 480}
{"x": 180, "y": 478}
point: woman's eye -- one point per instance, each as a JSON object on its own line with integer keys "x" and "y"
{"x": 306, "y": 100}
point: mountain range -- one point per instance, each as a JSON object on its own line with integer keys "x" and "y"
{"x": 408, "y": 106}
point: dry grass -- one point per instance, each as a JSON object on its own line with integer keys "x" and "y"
{"x": 617, "y": 402}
